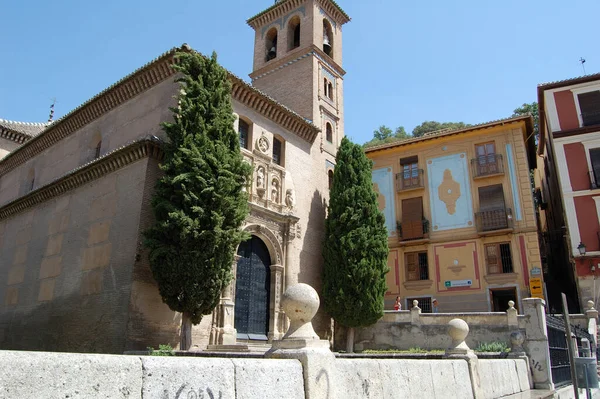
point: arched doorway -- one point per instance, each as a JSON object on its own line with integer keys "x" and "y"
{"x": 252, "y": 289}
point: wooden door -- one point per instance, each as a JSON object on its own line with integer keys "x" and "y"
{"x": 412, "y": 218}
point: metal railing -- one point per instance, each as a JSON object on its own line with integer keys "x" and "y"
{"x": 414, "y": 230}
{"x": 409, "y": 179}
{"x": 487, "y": 165}
{"x": 495, "y": 219}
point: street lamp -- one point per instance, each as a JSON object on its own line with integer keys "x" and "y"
{"x": 581, "y": 248}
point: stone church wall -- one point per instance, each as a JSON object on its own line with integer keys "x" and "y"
{"x": 66, "y": 267}
{"x": 136, "y": 118}
{"x": 7, "y": 146}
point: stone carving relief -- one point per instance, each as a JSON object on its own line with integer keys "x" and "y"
{"x": 449, "y": 191}
{"x": 275, "y": 186}
{"x": 263, "y": 143}
{"x": 270, "y": 238}
{"x": 290, "y": 201}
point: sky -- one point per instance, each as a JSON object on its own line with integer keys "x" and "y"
{"x": 406, "y": 61}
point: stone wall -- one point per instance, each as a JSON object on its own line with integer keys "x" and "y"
{"x": 86, "y": 375}
{"x": 411, "y": 329}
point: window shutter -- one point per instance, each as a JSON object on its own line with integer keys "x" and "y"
{"x": 409, "y": 160}
{"x": 491, "y": 259}
{"x": 595, "y": 159}
{"x": 412, "y": 218}
{"x": 491, "y": 197}
{"x": 589, "y": 104}
{"x": 411, "y": 267}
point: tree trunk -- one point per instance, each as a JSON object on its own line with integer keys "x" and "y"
{"x": 350, "y": 340}
{"x": 185, "y": 342}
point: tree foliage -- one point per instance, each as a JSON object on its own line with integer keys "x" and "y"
{"x": 199, "y": 205}
{"x": 432, "y": 126}
{"x": 534, "y": 111}
{"x": 355, "y": 248}
{"x": 385, "y": 135}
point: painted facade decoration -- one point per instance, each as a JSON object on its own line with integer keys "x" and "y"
{"x": 449, "y": 189}
{"x": 383, "y": 184}
{"x": 466, "y": 227}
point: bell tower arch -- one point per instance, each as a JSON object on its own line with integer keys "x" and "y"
{"x": 298, "y": 62}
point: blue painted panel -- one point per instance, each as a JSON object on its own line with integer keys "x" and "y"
{"x": 450, "y": 192}
{"x": 383, "y": 183}
{"x": 514, "y": 184}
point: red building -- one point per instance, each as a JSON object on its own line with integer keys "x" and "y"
{"x": 568, "y": 177}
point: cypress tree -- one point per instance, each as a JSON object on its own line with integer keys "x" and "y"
{"x": 199, "y": 204}
{"x": 355, "y": 248}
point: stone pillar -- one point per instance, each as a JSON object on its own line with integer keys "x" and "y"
{"x": 458, "y": 330}
{"x": 536, "y": 344}
{"x": 276, "y": 321}
{"x": 511, "y": 313}
{"x": 225, "y": 333}
{"x": 300, "y": 303}
{"x": 518, "y": 352}
{"x": 415, "y": 313}
{"x": 592, "y": 317}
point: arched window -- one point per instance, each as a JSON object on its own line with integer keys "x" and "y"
{"x": 244, "y": 131}
{"x": 98, "y": 148}
{"x": 330, "y": 178}
{"x": 294, "y": 33}
{"x": 330, "y": 90}
{"x": 328, "y": 132}
{"x": 327, "y": 38}
{"x": 277, "y": 151}
{"x": 271, "y": 44}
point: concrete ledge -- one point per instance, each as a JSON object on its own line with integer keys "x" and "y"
{"x": 68, "y": 375}
{"x": 268, "y": 379}
{"x": 371, "y": 378}
{"x": 503, "y": 377}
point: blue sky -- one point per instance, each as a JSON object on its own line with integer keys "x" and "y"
{"x": 406, "y": 61}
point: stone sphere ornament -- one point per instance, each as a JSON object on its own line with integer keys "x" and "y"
{"x": 458, "y": 330}
{"x": 300, "y": 303}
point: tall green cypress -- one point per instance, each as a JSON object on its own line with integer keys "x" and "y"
{"x": 355, "y": 248}
{"x": 199, "y": 204}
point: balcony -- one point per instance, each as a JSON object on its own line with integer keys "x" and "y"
{"x": 495, "y": 220}
{"x": 409, "y": 180}
{"x": 415, "y": 230}
{"x": 487, "y": 165}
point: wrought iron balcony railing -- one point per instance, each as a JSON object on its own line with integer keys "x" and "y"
{"x": 410, "y": 179}
{"x": 487, "y": 165}
{"x": 415, "y": 230}
{"x": 495, "y": 219}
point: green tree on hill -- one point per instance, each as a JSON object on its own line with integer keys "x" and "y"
{"x": 355, "y": 248}
{"x": 199, "y": 205}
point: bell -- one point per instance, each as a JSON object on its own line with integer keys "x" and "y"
{"x": 326, "y": 44}
{"x": 272, "y": 53}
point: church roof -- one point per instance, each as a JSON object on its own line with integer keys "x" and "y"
{"x": 43, "y": 136}
{"x": 281, "y": 6}
{"x": 20, "y": 131}
{"x": 570, "y": 81}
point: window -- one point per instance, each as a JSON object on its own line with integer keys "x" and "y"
{"x": 498, "y": 258}
{"x": 424, "y": 304}
{"x": 30, "y": 180}
{"x": 589, "y": 104}
{"x": 277, "y": 151}
{"x": 328, "y": 132}
{"x": 243, "y": 130}
{"x": 327, "y": 38}
{"x": 595, "y": 173}
{"x": 330, "y": 178}
{"x": 417, "y": 267}
{"x": 271, "y": 44}
{"x": 410, "y": 172}
{"x": 98, "y": 148}
{"x": 492, "y": 215}
{"x": 411, "y": 227}
{"x": 328, "y": 88}
{"x": 294, "y": 33}
{"x": 486, "y": 160}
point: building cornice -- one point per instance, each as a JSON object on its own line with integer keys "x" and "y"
{"x": 12, "y": 135}
{"x": 281, "y": 8}
{"x": 144, "y": 78}
{"x": 110, "y": 162}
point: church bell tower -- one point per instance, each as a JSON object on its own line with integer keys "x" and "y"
{"x": 298, "y": 62}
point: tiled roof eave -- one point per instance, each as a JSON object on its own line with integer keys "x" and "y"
{"x": 13, "y": 135}
{"x": 283, "y": 7}
{"x": 445, "y": 133}
{"x": 110, "y": 162}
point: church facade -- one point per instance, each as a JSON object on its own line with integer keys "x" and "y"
{"x": 75, "y": 198}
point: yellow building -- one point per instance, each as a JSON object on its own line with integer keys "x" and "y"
{"x": 460, "y": 215}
